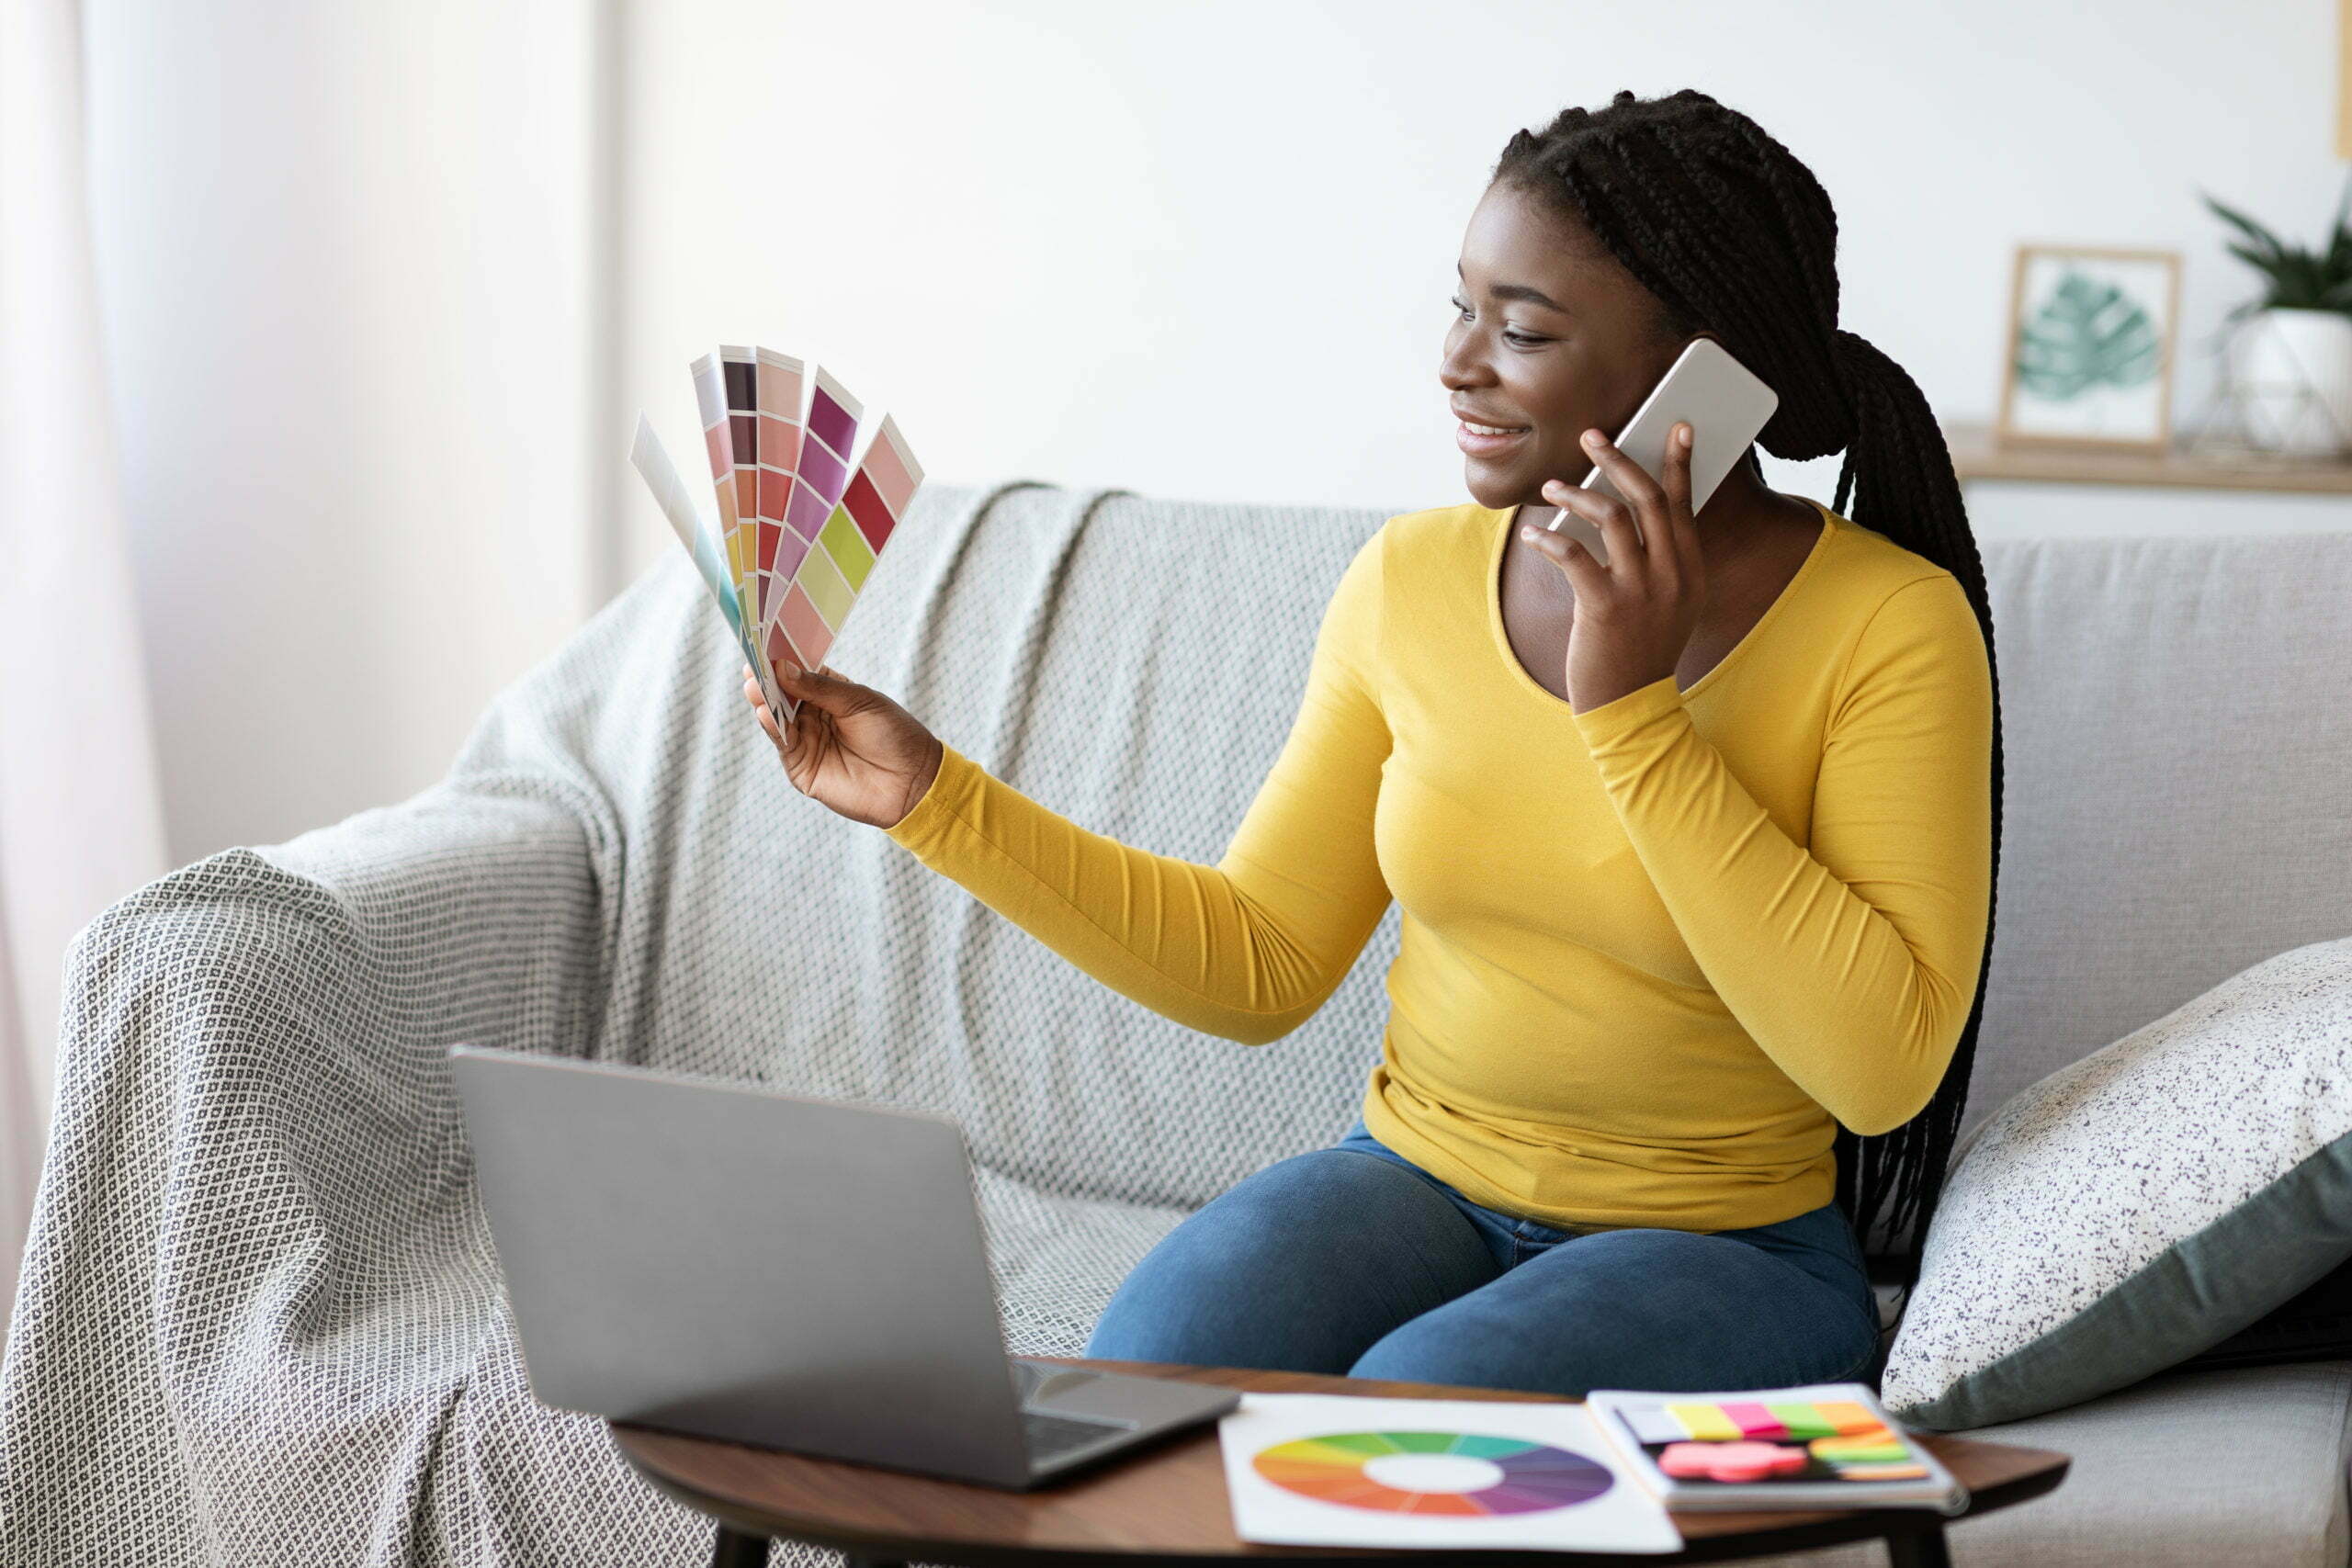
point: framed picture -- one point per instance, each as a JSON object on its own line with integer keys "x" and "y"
{"x": 2092, "y": 339}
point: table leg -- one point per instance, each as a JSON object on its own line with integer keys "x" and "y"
{"x": 1922, "y": 1549}
{"x": 737, "y": 1549}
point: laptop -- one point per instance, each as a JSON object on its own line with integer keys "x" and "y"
{"x": 726, "y": 1261}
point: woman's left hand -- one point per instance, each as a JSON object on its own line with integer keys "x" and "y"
{"x": 1635, "y": 613}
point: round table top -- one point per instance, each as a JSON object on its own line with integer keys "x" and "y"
{"x": 1167, "y": 1499}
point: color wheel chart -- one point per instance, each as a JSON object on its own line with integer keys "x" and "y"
{"x": 799, "y": 525}
{"x": 1458, "y": 1474}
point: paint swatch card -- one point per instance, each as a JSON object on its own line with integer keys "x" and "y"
{"x": 800, "y": 520}
{"x": 652, "y": 460}
{"x": 718, "y": 442}
{"x": 1351, "y": 1469}
{"x": 738, "y": 370}
{"x": 776, "y": 551}
{"x": 804, "y": 622}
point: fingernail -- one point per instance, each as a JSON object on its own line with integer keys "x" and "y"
{"x": 791, "y": 672}
{"x": 1593, "y": 438}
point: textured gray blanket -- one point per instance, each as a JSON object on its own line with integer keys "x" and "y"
{"x": 261, "y": 1320}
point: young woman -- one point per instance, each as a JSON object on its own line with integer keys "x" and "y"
{"x": 1695, "y": 847}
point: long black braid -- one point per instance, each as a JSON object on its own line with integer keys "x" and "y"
{"x": 1735, "y": 236}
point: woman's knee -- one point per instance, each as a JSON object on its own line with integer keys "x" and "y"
{"x": 1296, "y": 1267}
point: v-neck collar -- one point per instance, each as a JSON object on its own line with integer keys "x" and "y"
{"x": 1506, "y": 519}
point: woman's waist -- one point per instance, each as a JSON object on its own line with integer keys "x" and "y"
{"x": 1707, "y": 1163}
{"x": 1690, "y": 1100}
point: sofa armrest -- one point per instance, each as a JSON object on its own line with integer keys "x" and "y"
{"x": 257, "y": 1210}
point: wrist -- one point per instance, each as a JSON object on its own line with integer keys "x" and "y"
{"x": 920, "y": 785}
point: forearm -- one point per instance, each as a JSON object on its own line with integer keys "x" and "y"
{"x": 1859, "y": 1002}
{"x": 1188, "y": 940}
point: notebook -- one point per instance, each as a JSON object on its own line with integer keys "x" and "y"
{"x": 1828, "y": 1445}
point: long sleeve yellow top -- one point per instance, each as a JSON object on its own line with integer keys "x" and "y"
{"x": 1647, "y": 952}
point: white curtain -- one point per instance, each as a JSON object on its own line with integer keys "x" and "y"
{"x": 81, "y": 822}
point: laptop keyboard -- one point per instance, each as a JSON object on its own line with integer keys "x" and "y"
{"x": 1052, "y": 1436}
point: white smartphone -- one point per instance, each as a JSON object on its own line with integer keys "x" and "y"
{"x": 1726, "y": 404}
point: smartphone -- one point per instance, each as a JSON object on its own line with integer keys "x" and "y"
{"x": 1726, "y": 404}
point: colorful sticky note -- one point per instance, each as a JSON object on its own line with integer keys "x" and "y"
{"x": 1848, "y": 1417}
{"x": 1803, "y": 1420}
{"x": 1731, "y": 1461}
{"x": 1753, "y": 1419}
{"x": 1703, "y": 1421}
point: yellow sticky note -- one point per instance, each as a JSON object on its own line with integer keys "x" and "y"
{"x": 1705, "y": 1423}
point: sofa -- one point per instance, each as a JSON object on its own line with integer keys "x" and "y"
{"x": 260, "y": 1322}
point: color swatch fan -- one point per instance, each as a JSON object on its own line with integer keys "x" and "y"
{"x": 801, "y": 523}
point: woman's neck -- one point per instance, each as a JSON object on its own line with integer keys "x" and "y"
{"x": 1742, "y": 512}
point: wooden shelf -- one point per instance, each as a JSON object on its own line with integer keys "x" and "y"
{"x": 1975, "y": 456}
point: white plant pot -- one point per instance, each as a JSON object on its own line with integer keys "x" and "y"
{"x": 2292, "y": 369}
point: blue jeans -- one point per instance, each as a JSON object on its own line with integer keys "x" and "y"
{"x": 1352, "y": 1260}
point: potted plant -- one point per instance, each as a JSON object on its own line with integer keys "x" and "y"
{"x": 2291, "y": 363}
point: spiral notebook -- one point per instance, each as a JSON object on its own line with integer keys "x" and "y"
{"x": 1828, "y": 1445}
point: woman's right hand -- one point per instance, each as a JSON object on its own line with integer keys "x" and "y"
{"x": 850, "y": 748}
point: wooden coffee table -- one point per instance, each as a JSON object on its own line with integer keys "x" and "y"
{"x": 1165, "y": 1501}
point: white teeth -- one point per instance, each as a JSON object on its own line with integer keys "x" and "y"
{"x": 1491, "y": 429}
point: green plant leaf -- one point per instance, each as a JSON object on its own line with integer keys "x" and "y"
{"x": 2338, "y": 239}
{"x": 2269, "y": 243}
{"x": 2087, "y": 334}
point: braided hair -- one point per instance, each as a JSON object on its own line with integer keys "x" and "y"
{"x": 1735, "y": 236}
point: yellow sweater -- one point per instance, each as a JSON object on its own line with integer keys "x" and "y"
{"x": 1647, "y": 952}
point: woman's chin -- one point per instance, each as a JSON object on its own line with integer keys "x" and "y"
{"x": 1490, "y": 489}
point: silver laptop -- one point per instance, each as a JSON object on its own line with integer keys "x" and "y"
{"x": 808, "y": 1274}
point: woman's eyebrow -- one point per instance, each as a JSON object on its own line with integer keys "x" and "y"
{"x": 1520, "y": 292}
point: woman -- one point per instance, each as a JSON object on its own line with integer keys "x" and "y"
{"x": 1695, "y": 847}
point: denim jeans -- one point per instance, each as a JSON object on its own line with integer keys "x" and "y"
{"x": 1352, "y": 1260}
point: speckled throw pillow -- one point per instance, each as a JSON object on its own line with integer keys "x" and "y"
{"x": 2139, "y": 1205}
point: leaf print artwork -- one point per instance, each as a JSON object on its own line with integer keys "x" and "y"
{"x": 2087, "y": 334}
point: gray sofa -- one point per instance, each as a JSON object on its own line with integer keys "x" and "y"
{"x": 260, "y": 1322}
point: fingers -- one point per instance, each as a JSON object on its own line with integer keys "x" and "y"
{"x": 761, "y": 711}
{"x": 1605, "y": 512}
{"x": 1569, "y": 554}
{"x": 1678, "y": 444}
{"x": 1633, "y": 480}
{"x": 1677, "y": 470}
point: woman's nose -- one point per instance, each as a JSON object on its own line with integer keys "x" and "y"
{"x": 1457, "y": 370}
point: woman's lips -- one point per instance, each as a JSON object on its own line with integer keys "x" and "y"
{"x": 1480, "y": 446}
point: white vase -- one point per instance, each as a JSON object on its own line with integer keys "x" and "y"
{"x": 2292, "y": 370}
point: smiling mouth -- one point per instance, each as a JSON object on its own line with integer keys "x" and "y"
{"x": 1488, "y": 441}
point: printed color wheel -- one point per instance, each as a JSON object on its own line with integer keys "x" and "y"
{"x": 1432, "y": 1472}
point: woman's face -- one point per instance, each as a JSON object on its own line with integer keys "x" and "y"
{"x": 1551, "y": 337}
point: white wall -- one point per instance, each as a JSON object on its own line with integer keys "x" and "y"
{"x": 342, "y": 256}
{"x": 1197, "y": 250}
{"x": 1205, "y": 250}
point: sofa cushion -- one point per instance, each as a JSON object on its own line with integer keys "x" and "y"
{"x": 2139, "y": 1205}
{"x": 2315, "y": 1324}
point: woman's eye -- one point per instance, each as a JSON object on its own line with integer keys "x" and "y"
{"x": 1517, "y": 339}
